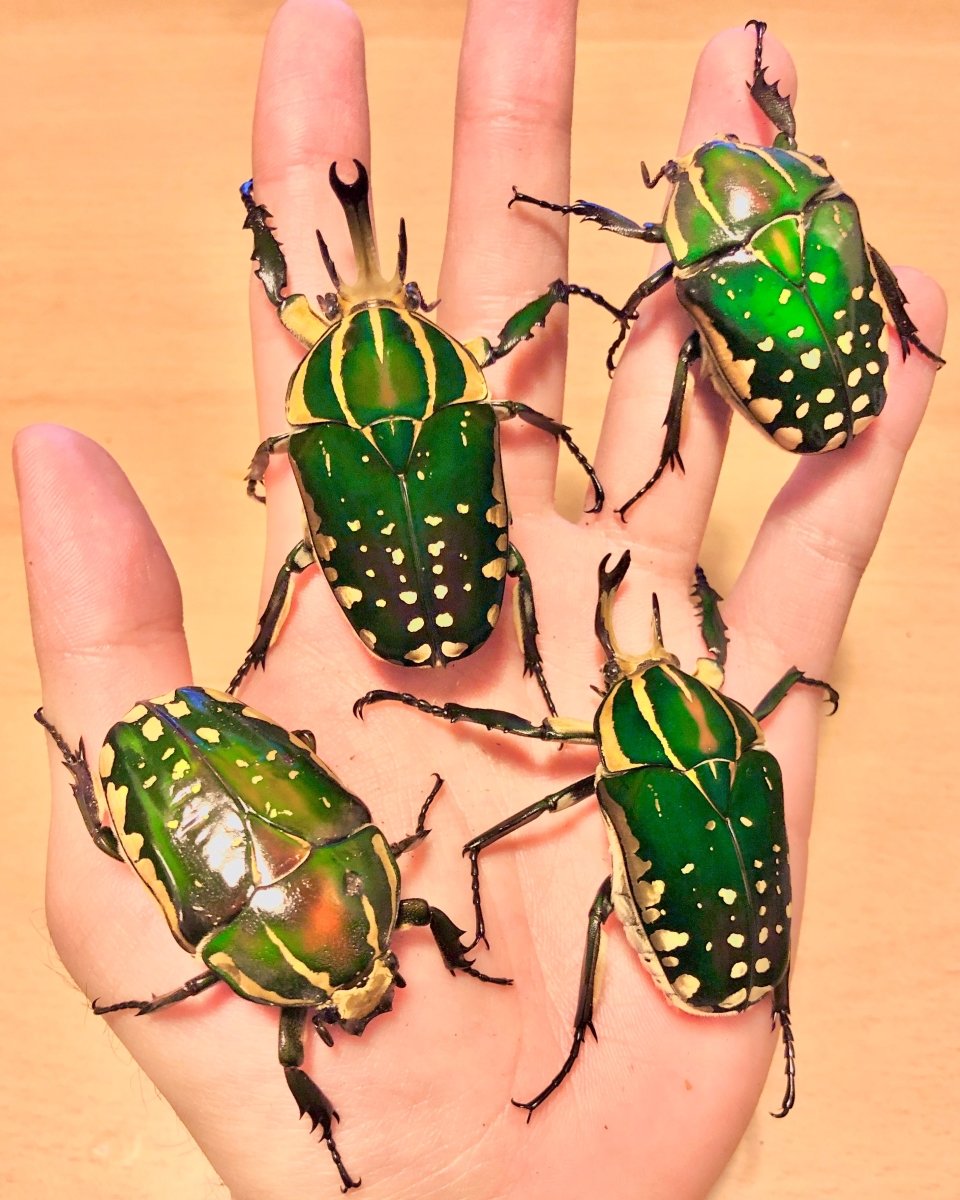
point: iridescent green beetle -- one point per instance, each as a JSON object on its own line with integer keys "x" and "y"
{"x": 790, "y": 303}
{"x": 396, "y": 453}
{"x": 266, "y": 867}
{"x": 693, "y": 805}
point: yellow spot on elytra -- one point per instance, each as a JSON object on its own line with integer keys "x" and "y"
{"x": 152, "y": 729}
{"x": 860, "y": 424}
{"x": 765, "y": 409}
{"x": 331, "y": 574}
{"x": 668, "y": 939}
{"x": 766, "y": 344}
{"x": 170, "y": 750}
{"x": 833, "y": 420}
{"x": 763, "y": 935}
{"x": 802, "y": 410}
{"x": 734, "y": 1000}
{"x": 209, "y": 735}
{"x": 408, "y": 597}
{"x": 811, "y": 358}
{"x": 180, "y": 769}
{"x": 857, "y": 293}
{"x": 440, "y": 590}
{"x": 738, "y": 970}
{"x": 348, "y": 596}
{"x": 353, "y": 526}
{"x": 854, "y": 377}
{"x": 845, "y": 342}
{"x": 711, "y": 825}
{"x": 444, "y": 620}
{"x": 670, "y": 961}
{"x": 736, "y": 940}
{"x": 817, "y": 277}
{"x": 788, "y": 438}
{"x": 873, "y": 368}
{"x": 107, "y": 758}
{"x": 496, "y": 568}
{"x": 134, "y": 714}
{"x": 367, "y": 637}
{"x": 434, "y": 548}
{"x": 453, "y": 649}
{"x": 787, "y": 375}
{"x": 493, "y": 612}
{"x": 761, "y": 886}
{"x": 419, "y": 654}
{"x": 437, "y": 569}
{"x": 784, "y": 296}
{"x": 650, "y": 892}
{"x": 746, "y": 822}
{"x": 150, "y": 782}
{"x": 686, "y": 868}
{"x": 763, "y": 964}
{"x": 727, "y": 895}
{"x": 860, "y": 403}
{"x": 179, "y": 708}
{"x": 381, "y": 603}
{"x": 415, "y": 625}
{"x": 388, "y": 529}
{"x": 685, "y": 986}
{"x": 825, "y": 395}
{"x": 433, "y": 520}
{"x": 796, "y": 332}
{"x": 397, "y": 557}
{"x": 463, "y": 508}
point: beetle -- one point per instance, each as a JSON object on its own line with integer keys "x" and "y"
{"x": 395, "y": 450}
{"x": 693, "y": 807}
{"x": 789, "y": 302}
{"x": 267, "y": 868}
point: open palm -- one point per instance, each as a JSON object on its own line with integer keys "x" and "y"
{"x": 423, "y": 1096}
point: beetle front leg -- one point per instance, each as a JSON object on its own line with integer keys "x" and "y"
{"x": 781, "y": 1012}
{"x": 670, "y": 454}
{"x": 310, "y": 1100}
{"x": 539, "y": 420}
{"x": 421, "y": 831}
{"x": 260, "y": 462}
{"x": 83, "y": 790}
{"x": 446, "y": 934}
{"x": 600, "y": 910}
{"x": 555, "y": 802}
{"x": 896, "y": 303}
{"x": 606, "y": 218}
{"x": 193, "y": 987}
{"x": 790, "y": 680}
{"x": 713, "y": 628}
{"x": 299, "y": 558}
{"x": 776, "y": 108}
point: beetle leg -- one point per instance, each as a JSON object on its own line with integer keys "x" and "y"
{"x": 421, "y": 831}
{"x": 310, "y": 1100}
{"x": 299, "y": 558}
{"x": 552, "y": 729}
{"x": 447, "y": 936}
{"x": 525, "y": 615}
{"x": 556, "y": 802}
{"x": 896, "y": 303}
{"x": 780, "y": 689}
{"x": 645, "y": 288}
{"x": 713, "y": 628}
{"x": 261, "y": 460}
{"x": 670, "y": 455}
{"x": 600, "y": 910}
{"x": 83, "y": 790}
{"x": 193, "y": 987}
{"x": 766, "y": 95}
{"x": 539, "y": 420}
{"x": 781, "y": 1011}
{"x": 606, "y": 218}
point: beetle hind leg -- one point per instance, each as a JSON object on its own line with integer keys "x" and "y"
{"x": 896, "y": 303}
{"x": 781, "y": 1012}
{"x": 193, "y": 987}
{"x": 83, "y": 790}
{"x": 310, "y": 1100}
{"x": 527, "y": 627}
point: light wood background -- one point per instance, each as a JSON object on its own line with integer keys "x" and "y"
{"x": 124, "y": 295}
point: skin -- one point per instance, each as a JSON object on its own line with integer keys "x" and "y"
{"x": 423, "y": 1096}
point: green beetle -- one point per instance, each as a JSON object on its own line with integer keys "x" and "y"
{"x": 693, "y": 805}
{"x": 790, "y": 303}
{"x": 395, "y": 450}
{"x": 266, "y": 867}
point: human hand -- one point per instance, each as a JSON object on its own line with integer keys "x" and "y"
{"x": 423, "y": 1095}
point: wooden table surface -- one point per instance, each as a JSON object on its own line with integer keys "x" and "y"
{"x": 124, "y": 297}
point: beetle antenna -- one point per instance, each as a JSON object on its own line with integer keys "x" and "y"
{"x": 328, "y": 261}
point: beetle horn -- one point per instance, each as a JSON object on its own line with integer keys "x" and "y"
{"x": 354, "y": 198}
{"x": 402, "y": 252}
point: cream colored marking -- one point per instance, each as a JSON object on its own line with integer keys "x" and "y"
{"x": 670, "y": 961}
{"x": 763, "y": 935}
{"x": 370, "y": 573}
{"x": 727, "y": 895}
{"x": 860, "y": 424}
{"x": 388, "y": 529}
{"x": 242, "y": 762}
{"x": 746, "y": 822}
{"x": 686, "y": 868}
{"x": 734, "y": 1000}
{"x": 503, "y": 541}
{"x": 415, "y": 625}
{"x": 367, "y": 637}
{"x": 765, "y": 408}
{"x": 419, "y": 654}
{"x": 854, "y": 377}
{"x": 152, "y": 729}
{"x": 453, "y": 649}
{"x": 440, "y": 590}
{"x": 790, "y": 439}
{"x": 437, "y": 569}
{"x": 179, "y": 708}
{"x": 271, "y": 755}
{"x": 668, "y": 939}
{"x": 778, "y": 929}
{"x": 708, "y": 945}
{"x": 857, "y": 293}
{"x": 150, "y": 782}
{"x": 784, "y": 297}
{"x": 348, "y": 596}
{"x": 789, "y": 909}
{"x": 433, "y": 520}
{"x": 180, "y": 769}
{"x": 107, "y": 759}
{"x": 731, "y": 294}
{"x": 761, "y": 886}
{"x": 167, "y": 753}
{"x": 396, "y": 557}
{"x": 331, "y": 574}
{"x": 434, "y": 548}
{"x": 787, "y": 375}
{"x": 496, "y": 514}
{"x": 649, "y": 893}
{"x": 738, "y": 970}
{"x": 496, "y": 568}
{"x": 686, "y": 986}
{"x": 839, "y": 314}
{"x": 444, "y": 620}
{"x": 225, "y": 965}
{"x": 766, "y": 344}
{"x": 353, "y": 526}
{"x": 463, "y": 508}
{"x": 825, "y": 395}
{"x": 650, "y": 915}
{"x": 134, "y": 715}
{"x": 873, "y": 368}
{"x": 811, "y": 358}
{"x": 832, "y": 420}
{"x": 796, "y": 332}
{"x": 802, "y": 410}
{"x": 763, "y": 964}
{"x": 493, "y": 612}
{"x": 817, "y": 277}
{"x": 408, "y": 597}
{"x": 174, "y": 825}
{"x": 468, "y": 587}
{"x": 845, "y": 342}
{"x": 757, "y": 993}
{"x": 736, "y": 940}
{"x": 292, "y": 774}
{"x": 208, "y": 734}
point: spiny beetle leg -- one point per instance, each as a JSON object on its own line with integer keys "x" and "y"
{"x": 421, "y": 831}
{"x": 606, "y": 218}
{"x": 670, "y": 455}
{"x": 551, "y": 730}
{"x": 781, "y": 1012}
{"x": 446, "y": 934}
{"x": 572, "y": 794}
{"x": 713, "y": 628}
{"x": 645, "y": 288}
{"x": 600, "y": 910}
{"x": 271, "y": 265}
{"x": 299, "y": 558}
{"x": 83, "y": 790}
{"x": 766, "y": 95}
{"x": 260, "y": 462}
{"x": 539, "y": 420}
{"x": 527, "y": 623}
{"x": 193, "y": 987}
{"x": 896, "y": 303}
{"x": 310, "y": 1100}
{"x": 790, "y": 680}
